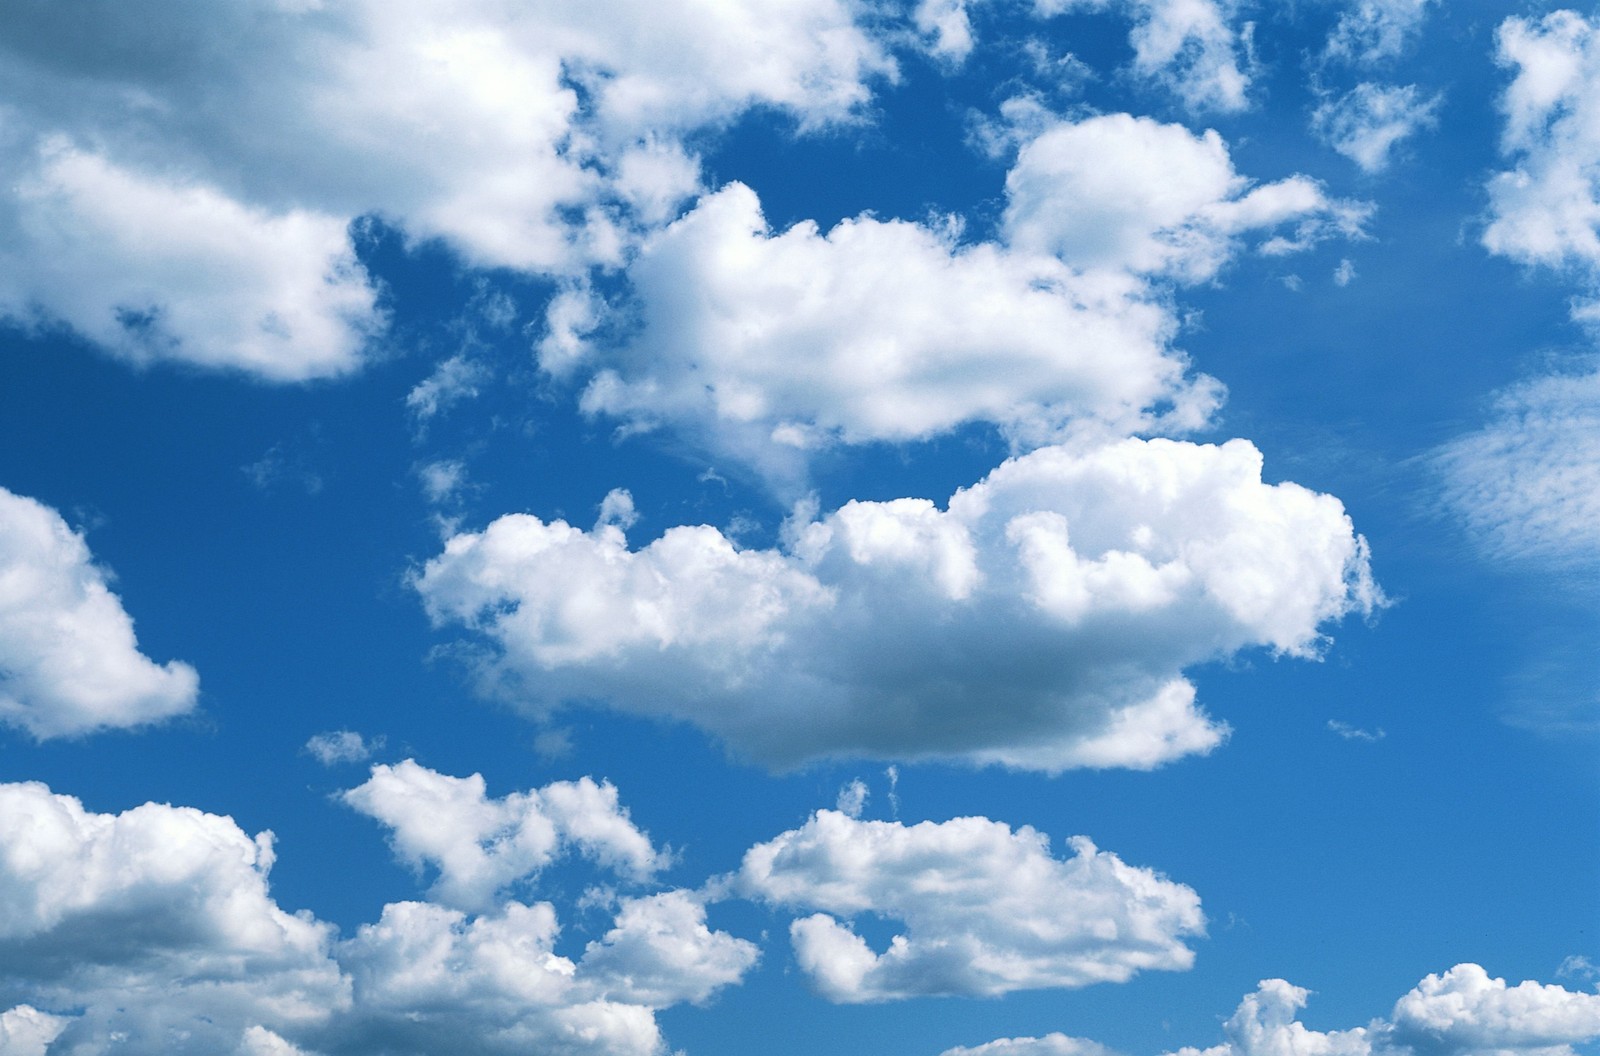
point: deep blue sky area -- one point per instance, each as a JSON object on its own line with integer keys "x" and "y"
{"x": 420, "y": 379}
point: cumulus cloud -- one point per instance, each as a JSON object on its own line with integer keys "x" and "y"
{"x": 480, "y": 845}
{"x": 986, "y": 910}
{"x": 1370, "y": 31}
{"x": 1545, "y": 209}
{"x": 1527, "y": 484}
{"x": 1462, "y": 1012}
{"x": 155, "y": 923}
{"x": 1049, "y": 1045}
{"x": 1366, "y": 123}
{"x": 153, "y": 932}
{"x": 69, "y": 662}
{"x": 193, "y": 200}
{"x": 763, "y": 346}
{"x": 1042, "y": 619}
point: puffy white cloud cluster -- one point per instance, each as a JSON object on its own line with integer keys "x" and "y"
{"x": 1463, "y": 1012}
{"x": 481, "y": 845}
{"x": 1546, "y": 209}
{"x": 69, "y": 662}
{"x": 153, "y": 932}
{"x": 1528, "y": 483}
{"x": 155, "y": 924}
{"x": 1042, "y": 619}
{"x": 1049, "y": 1045}
{"x": 762, "y": 347}
{"x": 986, "y": 910}
{"x": 181, "y": 184}
{"x": 1368, "y": 122}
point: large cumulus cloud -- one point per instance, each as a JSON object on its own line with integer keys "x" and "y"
{"x": 1042, "y": 619}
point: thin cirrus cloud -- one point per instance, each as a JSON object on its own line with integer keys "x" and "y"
{"x": 1042, "y": 620}
{"x": 987, "y": 910}
{"x": 71, "y": 664}
{"x": 177, "y": 947}
{"x": 1460, "y": 1012}
{"x": 765, "y": 347}
{"x": 253, "y": 144}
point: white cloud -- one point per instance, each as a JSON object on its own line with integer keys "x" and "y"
{"x": 1369, "y": 31}
{"x": 1049, "y": 1045}
{"x": 25, "y": 1031}
{"x": 69, "y": 662}
{"x": 661, "y": 953}
{"x": 1188, "y": 47}
{"x": 1366, "y": 123}
{"x": 442, "y": 480}
{"x": 1345, "y": 273}
{"x": 1355, "y": 733}
{"x": 1042, "y": 620}
{"x": 1129, "y": 193}
{"x": 452, "y": 381}
{"x": 481, "y": 845}
{"x": 342, "y": 746}
{"x": 155, "y": 923}
{"x": 945, "y": 27}
{"x": 986, "y": 910}
{"x": 160, "y": 268}
{"x": 1467, "y": 1011}
{"x": 1545, "y": 210}
{"x": 1528, "y": 483}
{"x": 251, "y": 147}
{"x": 1463, "y": 1012}
{"x": 853, "y": 798}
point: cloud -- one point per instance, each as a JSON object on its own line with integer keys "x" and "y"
{"x": 1366, "y": 123}
{"x": 1041, "y": 620}
{"x": 454, "y": 380}
{"x": 1355, "y": 733}
{"x": 481, "y": 845}
{"x": 1049, "y": 1045}
{"x": 153, "y": 932}
{"x": 1527, "y": 484}
{"x": 1188, "y": 47}
{"x": 1545, "y": 210}
{"x": 1129, "y": 193}
{"x": 1370, "y": 31}
{"x": 69, "y": 662}
{"x": 342, "y": 746}
{"x": 764, "y": 347}
{"x": 154, "y": 923}
{"x": 986, "y": 910}
{"x": 1463, "y": 1012}
{"x": 194, "y": 201}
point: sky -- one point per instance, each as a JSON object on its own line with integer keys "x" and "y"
{"x": 850, "y": 527}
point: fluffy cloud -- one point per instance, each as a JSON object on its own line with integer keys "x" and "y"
{"x": 762, "y": 347}
{"x": 1128, "y": 193}
{"x": 986, "y": 910}
{"x": 249, "y": 137}
{"x": 1366, "y": 123}
{"x": 69, "y": 663}
{"x": 1528, "y": 483}
{"x": 342, "y": 746}
{"x": 1463, "y": 1012}
{"x": 153, "y": 932}
{"x": 155, "y": 923}
{"x": 1041, "y": 620}
{"x": 480, "y": 845}
{"x": 1370, "y": 31}
{"x": 1545, "y": 210}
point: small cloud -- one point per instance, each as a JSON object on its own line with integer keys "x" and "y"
{"x": 1345, "y": 273}
{"x": 1355, "y": 733}
{"x": 1368, "y": 122}
{"x": 342, "y": 746}
{"x": 276, "y": 468}
{"x": 852, "y": 798}
{"x": 1578, "y": 967}
{"x": 553, "y": 744}
{"x": 1293, "y": 283}
{"x": 617, "y": 508}
{"x": 442, "y": 480}
{"x": 893, "y": 774}
{"x": 457, "y": 378}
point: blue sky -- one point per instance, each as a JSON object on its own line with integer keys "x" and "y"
{"x": 943, "y": 528}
